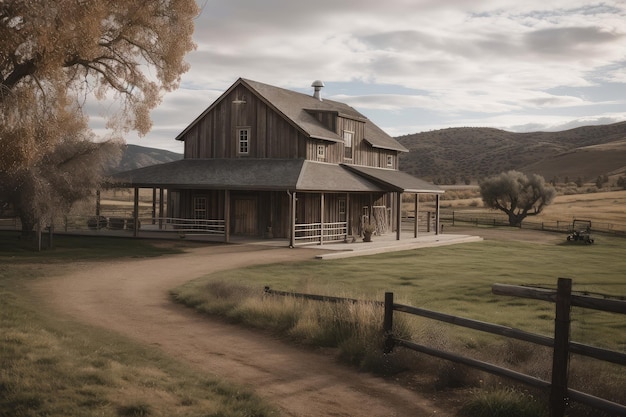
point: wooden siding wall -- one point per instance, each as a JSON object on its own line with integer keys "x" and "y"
{"x": 215, "y": 135}
{"x": 215, "y": 203}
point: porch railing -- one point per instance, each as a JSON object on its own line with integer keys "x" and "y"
{"x": 196, "y": 226}
{"x": 306, "y": 233}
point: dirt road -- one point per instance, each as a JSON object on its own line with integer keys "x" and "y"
{"x": 131, "y": 297}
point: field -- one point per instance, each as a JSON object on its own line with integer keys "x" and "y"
{"x": 54, "y": 366}
{"x": 50, "y": 364}
{"x": 605, "y": 207}
{"x": 455, "y": 280}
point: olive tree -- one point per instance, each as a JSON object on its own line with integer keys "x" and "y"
{"x": 517, "y": 195}
{"x": 57, "y": 55}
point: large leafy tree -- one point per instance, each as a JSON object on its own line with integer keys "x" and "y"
{"x": 55, "y": 56}
{"x": 517, "y": 195}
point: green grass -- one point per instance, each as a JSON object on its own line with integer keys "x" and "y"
{"x": 17, "y": 249}
{"x": 454, "y": 279}
{"x": 457, "y": 280}
{"x": 50, "y": 366}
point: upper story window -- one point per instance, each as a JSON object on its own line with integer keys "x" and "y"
{"x": 390, "y": 161}
{"x": 321, "y": 152}
{"x": 347, "y": 144}
{"x": 243, "y": 140}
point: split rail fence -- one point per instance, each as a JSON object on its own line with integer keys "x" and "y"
{"x": 559, "y": 392}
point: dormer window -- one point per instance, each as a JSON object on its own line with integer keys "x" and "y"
{"x": 243, "y": 137}
{"x": 389, "y": 161}
{"x": 347, "y": 144}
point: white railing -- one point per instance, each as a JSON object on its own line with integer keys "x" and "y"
{"x": 314, "y": 232}
{"x": 195, "y": 226}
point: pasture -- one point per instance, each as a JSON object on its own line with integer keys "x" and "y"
{"x": 456, "y": 280}
{"x": 52, "y": 366}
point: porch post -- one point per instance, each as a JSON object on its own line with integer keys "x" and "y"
{"x": 292, "y": 220}
{"x": 226, "y": 216}
{"x": 136, "y": 213}
{"x": 321, "y": 219}
{"x": 348, "y": 217}
{"x": 415, "y": 223}
{"x": 153, "y": 205}
{"x": 437, "y": 215}
{"x": 398, "y": 214}
{"x": 161, "y": 205}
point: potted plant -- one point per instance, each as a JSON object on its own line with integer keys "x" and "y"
{"x": 368, "y": 230}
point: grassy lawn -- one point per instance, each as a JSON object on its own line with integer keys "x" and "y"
{"x": 454, "y": 279}
{"x": 50, "y": 366}
{"x": 457, "y": 280}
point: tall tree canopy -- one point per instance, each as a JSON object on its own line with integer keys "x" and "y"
{"x": 516, "y": 195}
{"x": 99, "y": 47}
{"x": 56, "y": 54}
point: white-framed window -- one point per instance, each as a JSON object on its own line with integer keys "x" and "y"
{"x": 347, "y": 144}
{"x": 389, "y": 160}
{"x": 342, "y": 209}
{"x": 321, "y": 152}
{"x": 243, "y": 141}
{"x": 199, "y": 207}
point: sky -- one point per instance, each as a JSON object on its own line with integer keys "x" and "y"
{"x": 413, "y": 65}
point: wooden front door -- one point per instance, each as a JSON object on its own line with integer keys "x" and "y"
{"x": 245, "y": 217}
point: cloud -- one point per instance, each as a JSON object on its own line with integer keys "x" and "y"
{"x": 400, "y": 62}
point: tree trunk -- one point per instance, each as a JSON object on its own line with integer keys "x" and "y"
{"x": 515, "y": 220}
{"x": 28, "y": 223}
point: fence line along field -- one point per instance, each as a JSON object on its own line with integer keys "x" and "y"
{"x": 605, "y": 206}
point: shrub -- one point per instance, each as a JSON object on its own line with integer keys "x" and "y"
{"x": 503, "y": 403}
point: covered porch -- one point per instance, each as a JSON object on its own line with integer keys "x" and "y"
{"x": 302, "y": 201}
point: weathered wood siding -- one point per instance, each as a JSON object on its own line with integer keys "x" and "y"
{"x": 271, "y": 136}
{"x": 215, "y": 135}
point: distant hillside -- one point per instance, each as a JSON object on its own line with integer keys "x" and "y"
{"x": 454, "y": 154}
{"x": 139, "y": 156}
{"x": 459, "y": 153}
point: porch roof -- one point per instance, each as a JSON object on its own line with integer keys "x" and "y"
{"x": 393, "y": 180}
{"x": 248, "y": 174}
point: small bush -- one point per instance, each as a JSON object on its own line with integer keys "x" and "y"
{"x": 503, "y": 403}
{"x": 135, "y": 410}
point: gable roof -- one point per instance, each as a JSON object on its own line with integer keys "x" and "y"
{"x": 296, "y": 109}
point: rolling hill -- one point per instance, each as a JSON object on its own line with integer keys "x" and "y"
{"x": 134, "y": 157}
{"x": 459, "y": 153}
{"x": 454, "y": 154}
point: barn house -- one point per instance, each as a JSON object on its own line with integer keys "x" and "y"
{"x": 263, "y": 161}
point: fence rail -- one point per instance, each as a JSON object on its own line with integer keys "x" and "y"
{"x": 561, "y": 344}
{"x": 457, "y": 218}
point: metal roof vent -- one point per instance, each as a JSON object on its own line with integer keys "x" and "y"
{"x": 317, "y": 85}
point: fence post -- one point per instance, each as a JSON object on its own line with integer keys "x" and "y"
{"x": 560, "y": 358}
{"x": 388, "y": 323}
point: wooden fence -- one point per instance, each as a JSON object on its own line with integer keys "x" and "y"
{"x": 460, "y": 218}
{"x": 561, "y": 345}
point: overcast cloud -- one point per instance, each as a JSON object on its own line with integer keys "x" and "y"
{"x": 417, "y": 65}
